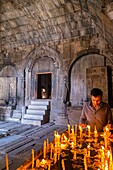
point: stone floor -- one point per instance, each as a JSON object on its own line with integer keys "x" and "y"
{"x": 17, "y": 140}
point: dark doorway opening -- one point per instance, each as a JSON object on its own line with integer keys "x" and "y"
{"x": 44, "y": 86}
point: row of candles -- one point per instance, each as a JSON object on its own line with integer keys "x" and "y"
{"x": 52, "y": 152}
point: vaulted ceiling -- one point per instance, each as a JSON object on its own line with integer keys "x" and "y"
{"x": 25, "y": 22}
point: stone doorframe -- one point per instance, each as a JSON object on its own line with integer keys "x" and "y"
{"x": 37, "y": 54}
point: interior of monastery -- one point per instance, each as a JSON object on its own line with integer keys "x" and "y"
{"x": 52, "y": 53}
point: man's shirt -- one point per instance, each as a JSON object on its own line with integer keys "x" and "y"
{"x": 99, "y": 118}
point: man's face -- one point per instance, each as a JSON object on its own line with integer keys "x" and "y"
{"x": 96, "y": 101}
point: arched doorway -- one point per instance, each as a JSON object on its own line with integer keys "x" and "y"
{"x": 79, "y": 78}
{"x": 43, "y": 85}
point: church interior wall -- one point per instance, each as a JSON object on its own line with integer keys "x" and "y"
{"x": 53, "y": 44}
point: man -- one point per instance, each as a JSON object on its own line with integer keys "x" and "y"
{"x": 96, "y": 113}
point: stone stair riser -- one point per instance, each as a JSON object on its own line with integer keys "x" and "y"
{"x": 33, "y": 122}
{"x": 33, "y": 107}
{"x": 37, "y": 102}
{"x": 42, "y": 112}
{"x": 40, "y": 117}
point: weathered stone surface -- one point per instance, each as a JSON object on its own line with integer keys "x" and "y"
{"x": 17, "y": 140}
{"x": 70, "y": 36}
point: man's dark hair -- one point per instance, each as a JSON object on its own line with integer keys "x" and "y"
{"x": 96, "y": 92}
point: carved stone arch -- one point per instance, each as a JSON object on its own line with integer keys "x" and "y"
{"x": 12, "y": 65}
{"x": 80, "y": 56}
{"x": 8, "y": 84}
{"x": 86, "y": 52}
{"x": 40, "y": 52}
{"x": 35, "y": 57}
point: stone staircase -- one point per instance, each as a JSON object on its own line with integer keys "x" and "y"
{"x": 7, "y": 114}
{"x": 37, "y": 113}
{"x": 16, "y": 116}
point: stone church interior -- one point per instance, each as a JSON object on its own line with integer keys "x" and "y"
{"x": 52, "y": 53}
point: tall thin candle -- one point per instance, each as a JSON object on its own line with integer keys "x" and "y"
{"x": 32, "y": 158}
{"x": 63, "y": 164}
{"x": 80, "y": 128}
{"x": 88, "y": 130}
{"x": 7, "y": 162}
{"x": 44, "y": 149}
{"x": 69, "y": 129}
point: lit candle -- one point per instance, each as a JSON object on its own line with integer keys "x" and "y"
{"x": 7, "y": 162}
{"x": 65, "y": 139}
{"x": 72, "y": 131}
{"x": 88, "y": 150}
{"x": 105, "y": 140}
{"x": 72, "y": 145}
{"x": 59, "y": 152}
{"x": 55, "y": 158}
{"x": 85, "y": 163}
{"x": 51, "y": 151}
{"x": 102, "y": 156}
{"x": 75, "y": 140}
{"x": 95, "y": 132}
{"x": 80, "y": 128}
{"x": 108, "y": 153}
{"x": 111, "y": 160}
{"x": 69, "y": 129}
{"x": 58, "y": 140}
{"x": 74, "y": 157}
{"x": 76, "y": 129}
{"x": 44, "y": 149}
{"x": 32, "y": 158}
{"x": 63, "y": 164}
{"x": 37, "y": 163}
{"x": 88, "y": 130}
{"x": 55, "y": 135}
{"x": 47, "y": 145}
{"x": 106, "y": 129}
{"x": 106, "y": 165}
{"x": 49, "y": 166}
{"x": 85, "y": 152}
{"x": 85, "y": 155}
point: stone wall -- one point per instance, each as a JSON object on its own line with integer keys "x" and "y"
{"x": 73, "y": 35}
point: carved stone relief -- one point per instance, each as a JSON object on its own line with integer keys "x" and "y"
{"x": 97, "y": 78}
{"x": 7, "y": 90}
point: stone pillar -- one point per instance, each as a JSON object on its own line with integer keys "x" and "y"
{"x": 20, "y": 92}
{"x": 28, "y": 88}
{"x": 62, "y": 117}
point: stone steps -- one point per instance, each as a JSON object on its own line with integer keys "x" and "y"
{"x": 40, "y": 107}
{"x": 34, "y": 116}
{"x": 16, "y": 116}
{"x": 32, "y": 121}
{"x": 40, "y": 102}
{"x": 37, "y": 113}
{"x": 13, "y": 119}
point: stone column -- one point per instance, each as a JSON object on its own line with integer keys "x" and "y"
{"x": 62, "y": 118}
{"x": 28, "y": 88}
{"x": 20, "y": 92}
